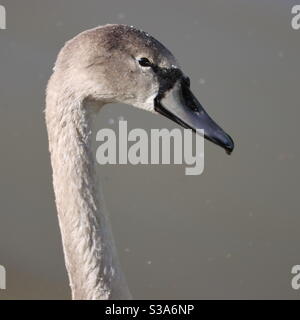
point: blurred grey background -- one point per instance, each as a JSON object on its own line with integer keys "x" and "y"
{"x": 232, "y": 232}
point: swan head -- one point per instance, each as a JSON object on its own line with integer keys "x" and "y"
{"x": 119, "y": 63}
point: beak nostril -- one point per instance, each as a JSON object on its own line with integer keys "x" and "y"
{"x": 194, "y": 108}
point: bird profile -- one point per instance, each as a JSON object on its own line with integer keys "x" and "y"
{"x": 107, "y": 64}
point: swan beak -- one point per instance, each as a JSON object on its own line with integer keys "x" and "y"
{"x": 180, "y": 105}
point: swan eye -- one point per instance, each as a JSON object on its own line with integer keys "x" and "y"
{"x": 144, "y": 62}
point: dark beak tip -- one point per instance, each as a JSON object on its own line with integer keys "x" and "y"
{"x": 228, "y": 151}
{"x": 229, "y": 146}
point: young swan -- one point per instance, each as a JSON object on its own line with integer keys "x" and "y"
{"x": 112, "y": 63}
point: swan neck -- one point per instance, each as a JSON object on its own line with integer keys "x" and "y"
{"x": 90, "y": 253}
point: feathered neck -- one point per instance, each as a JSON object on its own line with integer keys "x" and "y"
{"x": 89, "y": 249}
